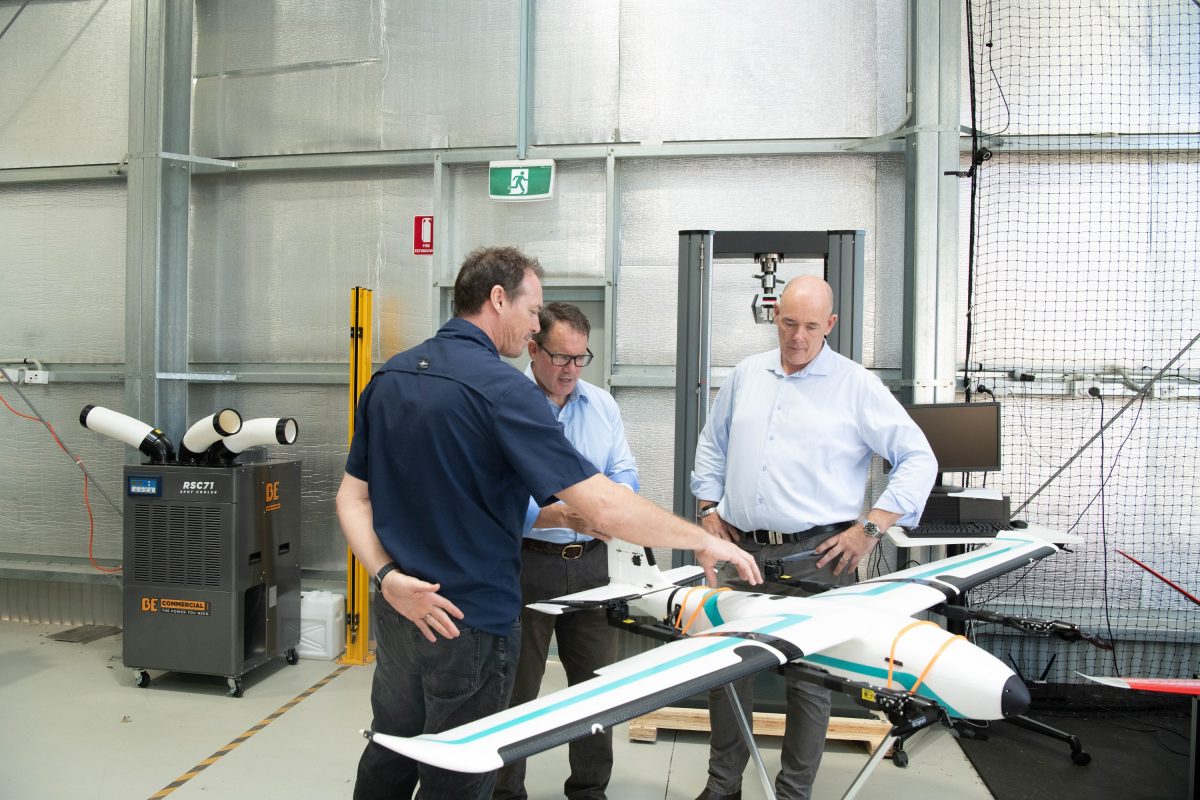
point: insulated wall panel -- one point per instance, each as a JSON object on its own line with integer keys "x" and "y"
{"x": 290, "y": 76}
{"x": 450, "y": 73}
{"x": 63, "y": 247}
{"x": 402, "y": 308}
{"x": 659, "y": 198}
{"x": 565, "y": 234}
{"x": 649, "y": 417}
{"x": 320, "y": 109}
{"x": 273, "y": 260}
{"x": 576, "y": 64}
{"x": 238, "y": 37}
{"x": 884, "y": 301}
{"x": 779, "y": 69}
{"x": 64, "y": 83}
{"x": 45, "y": 512}
{"x": 320, "y": 413}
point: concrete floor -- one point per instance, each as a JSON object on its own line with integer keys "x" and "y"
{"x": 73, "y": 725}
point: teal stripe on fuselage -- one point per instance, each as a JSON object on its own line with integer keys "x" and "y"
{"x": 719, "y": 643}
{"x": 713, "y": 613}
{"x": 906, "y": 679}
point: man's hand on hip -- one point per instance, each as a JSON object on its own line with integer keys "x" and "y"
{"x": 848, "y": 549}
{"x": 419, "y": 603}
{"x": 719, "y": 528}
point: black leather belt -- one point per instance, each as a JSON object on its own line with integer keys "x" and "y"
{"x": 777, "y": 537}
{"x": 567, "y": 551}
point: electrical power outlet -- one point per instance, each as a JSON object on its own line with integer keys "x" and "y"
{"x": 37, "y": 376}
{"x": 1165, "y": 391}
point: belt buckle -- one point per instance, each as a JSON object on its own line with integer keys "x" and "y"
{"x": 774, "y": 537}
{"x": 572, "y": 554}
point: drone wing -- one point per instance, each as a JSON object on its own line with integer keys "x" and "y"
{"x": 624, "y": 690}
{"x": 919, "y": 588}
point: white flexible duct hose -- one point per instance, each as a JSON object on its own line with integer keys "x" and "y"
{"x": 254, "y": 432}
{"x": 204, "y": 433}
{"x": 132, "y": 432}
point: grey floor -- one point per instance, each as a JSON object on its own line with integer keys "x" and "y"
{"x": 73, "y": 725}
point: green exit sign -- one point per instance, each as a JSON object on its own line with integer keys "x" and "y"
{"x": 521, "y": 180}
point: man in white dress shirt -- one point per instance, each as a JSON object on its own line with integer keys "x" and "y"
{"x": 781, "y": 467}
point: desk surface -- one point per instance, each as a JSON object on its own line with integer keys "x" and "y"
{"x": 901, "y": 539}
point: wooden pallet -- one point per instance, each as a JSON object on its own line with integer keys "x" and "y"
{"x": 870, "y": 732}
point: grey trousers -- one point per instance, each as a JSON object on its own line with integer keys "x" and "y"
{"x": 586, "y": 642}
{"x": 807, "y": 704}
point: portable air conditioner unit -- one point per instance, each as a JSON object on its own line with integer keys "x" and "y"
{"x": 212, "y": 571}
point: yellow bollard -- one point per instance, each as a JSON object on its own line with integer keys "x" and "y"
{"x": 358, "y": 583}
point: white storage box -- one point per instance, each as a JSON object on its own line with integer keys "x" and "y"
{"x": 322, "y": 625}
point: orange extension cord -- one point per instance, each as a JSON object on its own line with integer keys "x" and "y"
{"x": 86, "y": 502}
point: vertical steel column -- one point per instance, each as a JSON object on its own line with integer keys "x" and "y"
{"x": 931, "y": 203}
{"x": 692, "y": 360}
{"x": 156, "y": 265}
{"x": 524, "y": 77}
{"x": 441, "y": 298}
{"x": 845, "y": 272}
{"x": 611, "y": 268}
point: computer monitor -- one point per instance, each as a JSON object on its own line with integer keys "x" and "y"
{"x": 965, "y": 437}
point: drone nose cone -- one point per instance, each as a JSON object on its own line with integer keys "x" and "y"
{"x": 1015, "y": 698}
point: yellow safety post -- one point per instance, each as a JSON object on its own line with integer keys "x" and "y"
{"x": 358, "y": 583}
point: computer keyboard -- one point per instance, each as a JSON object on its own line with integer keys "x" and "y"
{"x": 958, "y": 529}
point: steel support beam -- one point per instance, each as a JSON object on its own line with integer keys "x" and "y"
{"x": 156, "y": 330}
{"x": 931, "y": 203}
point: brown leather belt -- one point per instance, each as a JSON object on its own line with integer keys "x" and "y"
{"x": 567, "y": 551}
{"x": 776, "y": 537}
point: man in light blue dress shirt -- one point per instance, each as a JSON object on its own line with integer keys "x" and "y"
{"x": 557, "y": 558}
{"x": 781, "y": 468}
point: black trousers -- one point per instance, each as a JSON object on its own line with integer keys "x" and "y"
{"x": 430, "y": 687}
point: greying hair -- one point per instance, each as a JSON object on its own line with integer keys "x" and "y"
{"x": 565, "y": 313}
{"x": 486, "y": 267}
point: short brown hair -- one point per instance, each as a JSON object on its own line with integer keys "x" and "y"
{"x": 486, "y": 267}
{"x": 565, "y": 313}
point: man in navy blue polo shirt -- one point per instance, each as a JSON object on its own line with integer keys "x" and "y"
{"x": 450, "y": 442}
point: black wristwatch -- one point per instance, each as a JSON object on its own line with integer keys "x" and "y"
{"x": 871, "y": 529}
{"x": 383, "y": 571}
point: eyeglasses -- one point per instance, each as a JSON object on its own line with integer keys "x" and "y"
{"x": 562, "y": 359}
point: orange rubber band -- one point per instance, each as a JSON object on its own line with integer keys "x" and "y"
{"x": 933, "y": 660}
{"x": 703, "y": 600}
{"x": 896, "y": 641}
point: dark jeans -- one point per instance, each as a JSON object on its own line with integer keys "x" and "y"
{"x": 807, "y": 705}
{"x": 430, "y": 687}
{"x": 586, "y": 642}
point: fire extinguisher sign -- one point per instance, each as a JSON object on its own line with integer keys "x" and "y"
{"x": 423, "y": 236}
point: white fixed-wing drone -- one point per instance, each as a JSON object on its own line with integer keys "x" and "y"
{"x": 859, "y": 639}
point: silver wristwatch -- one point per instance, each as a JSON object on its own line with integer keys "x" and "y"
{"x": 704, "y": 512}
{"x": 871, "y": 529}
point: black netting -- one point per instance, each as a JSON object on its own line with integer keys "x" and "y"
{"x": 1084, "y": 284}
